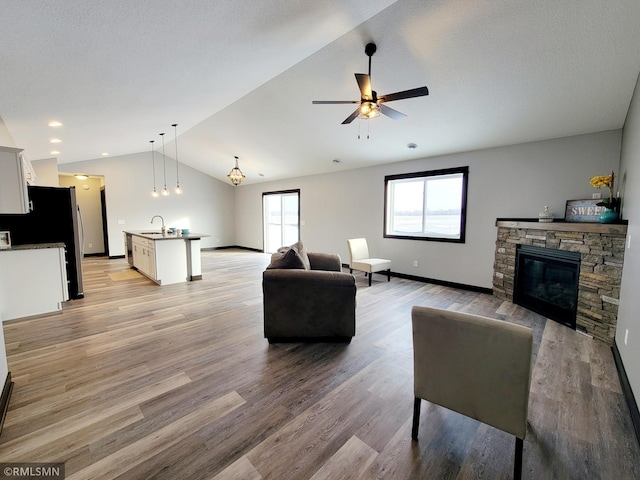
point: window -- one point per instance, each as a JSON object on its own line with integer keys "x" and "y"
{"x": 426, "y": 205}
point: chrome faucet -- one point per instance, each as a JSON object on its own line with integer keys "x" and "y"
{"x": 163, "y": 230}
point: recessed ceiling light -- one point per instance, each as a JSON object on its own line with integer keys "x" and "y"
{"x": 54, "y": 152}
{"x": 81, "y": 176}
{"x": 412, "y": 146}
{"x": 55, "y": 123}
{"x": 55, "y": 140}
{"x": 104, "y": 154}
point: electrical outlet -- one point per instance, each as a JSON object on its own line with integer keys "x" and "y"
{"x": 415, "y": 263}
{"x": 120, "y": 222}
{"x": 626, "y": 336}
{"x": 91, "y": 245}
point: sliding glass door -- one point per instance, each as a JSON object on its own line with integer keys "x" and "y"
{"x": 281, "y": 213}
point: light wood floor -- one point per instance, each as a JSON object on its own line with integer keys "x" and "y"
{"x": 137, "y": 381}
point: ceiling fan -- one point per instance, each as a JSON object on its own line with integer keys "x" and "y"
{"x": 371, "y": 106}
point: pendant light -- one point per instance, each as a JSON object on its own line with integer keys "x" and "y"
{"x": 178, "y": 189}
{"x": 165, "y": 192}
{"x": 154, "y": 192}
{"x": 235, "y": 175}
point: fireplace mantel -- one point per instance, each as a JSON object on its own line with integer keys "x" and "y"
{"x": 601, "y": 247}
{"x": 562, "y": 226}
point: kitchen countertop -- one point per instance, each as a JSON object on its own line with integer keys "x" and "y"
{"x": 33, "y": 246}
{"x": 168, "y": 236}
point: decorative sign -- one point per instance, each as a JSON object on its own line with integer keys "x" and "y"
{"x": 583, "y": 210}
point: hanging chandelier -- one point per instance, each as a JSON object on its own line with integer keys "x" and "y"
{"x": 235, "y": 175}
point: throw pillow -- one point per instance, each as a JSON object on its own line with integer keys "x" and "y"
{"x": 299, "y": 247}
{"x": 286, "y": 259}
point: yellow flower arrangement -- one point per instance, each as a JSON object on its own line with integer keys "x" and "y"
{"x": 606, "y": 181}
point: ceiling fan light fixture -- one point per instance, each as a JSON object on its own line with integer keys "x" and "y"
{"x": 235, "y": 175}
{"x": 369, "y": 110}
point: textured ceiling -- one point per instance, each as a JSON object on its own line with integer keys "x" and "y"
{"x": 238, "y": 77}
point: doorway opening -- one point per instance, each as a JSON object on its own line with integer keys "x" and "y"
{"x": 281, "y": 219}
{"x": 90, "y": 196}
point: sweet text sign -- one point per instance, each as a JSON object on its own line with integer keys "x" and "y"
{"x": 583, "y": 210}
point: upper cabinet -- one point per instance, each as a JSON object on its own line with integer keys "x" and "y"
{"x": 14, "y": 196}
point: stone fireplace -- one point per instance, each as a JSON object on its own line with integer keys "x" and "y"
{"x": 601, "y": 254}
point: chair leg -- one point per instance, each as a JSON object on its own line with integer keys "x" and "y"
{"x": 370, "y": 275}
{"x": 351, "y": 270}
{"x": 517, "y": 463}
{"x": 388, "y": 275}
{"x": 416, "y": 418}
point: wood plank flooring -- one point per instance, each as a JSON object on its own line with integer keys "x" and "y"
{"x": 137, "y": 381}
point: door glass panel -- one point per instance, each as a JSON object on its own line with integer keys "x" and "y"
{"x": 281, "y": 220}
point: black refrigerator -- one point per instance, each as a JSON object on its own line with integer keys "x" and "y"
{"x": 54, "y": 217}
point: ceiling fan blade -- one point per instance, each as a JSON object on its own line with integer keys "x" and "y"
{"x": 364, "y": 83}
{"x": 390, "y": 112}
{"x": 351, "y": 117}
{"x": 332, "y": 102}
{"x": 414, "y": 92}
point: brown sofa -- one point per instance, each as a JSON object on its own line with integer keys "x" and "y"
{"x": 307, "y": 297}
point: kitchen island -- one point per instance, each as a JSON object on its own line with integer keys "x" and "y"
{"x": 165, "y": 258}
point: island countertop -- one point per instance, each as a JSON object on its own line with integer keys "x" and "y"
{"x": 168, "y": 236}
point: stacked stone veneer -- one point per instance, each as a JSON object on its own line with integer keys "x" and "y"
{"x": 601, "y": 249}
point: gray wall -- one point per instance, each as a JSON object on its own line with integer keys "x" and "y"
{"x": 511, "y": 181}
{"x": 628, "y": 313}
{"x": 206, "y": 206}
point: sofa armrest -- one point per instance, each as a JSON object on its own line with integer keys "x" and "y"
{"x": 325, "y": 261}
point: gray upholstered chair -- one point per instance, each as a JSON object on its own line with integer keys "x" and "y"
{"x": 307, "y": 297}
{"x": 477, "y": 366}
{"x": 359, "y": 259}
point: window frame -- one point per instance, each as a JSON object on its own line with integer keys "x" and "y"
{"x": 431, "y": 173}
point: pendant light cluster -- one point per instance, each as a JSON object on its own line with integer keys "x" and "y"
{"x": 165, "y": 190}
{"x": 235, "y": 175}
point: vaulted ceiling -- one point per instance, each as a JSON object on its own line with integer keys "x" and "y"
{"x": 239, "y": 76}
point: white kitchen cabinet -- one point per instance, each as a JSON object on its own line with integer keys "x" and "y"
{"x": 144, "y": 256}
{"x": 33, "y": 280}
{"x": 14, "y": 196}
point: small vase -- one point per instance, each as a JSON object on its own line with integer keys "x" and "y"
{"x": 608, "y": 216}
{"x": 546, "y": 215}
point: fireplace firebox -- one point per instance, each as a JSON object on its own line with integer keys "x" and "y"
{"x": 546, "y": 281}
